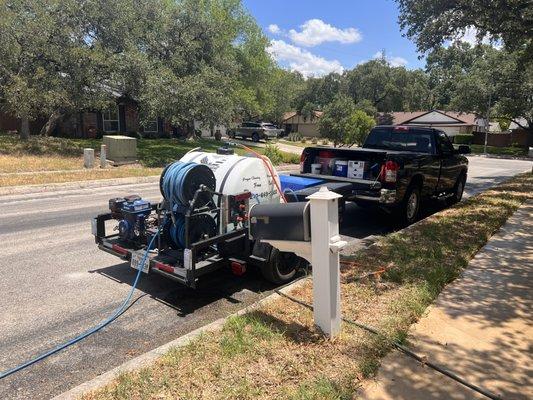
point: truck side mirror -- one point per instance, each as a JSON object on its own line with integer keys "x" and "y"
{"x": 288, "y": 222}
{"x": 463, "y": 149}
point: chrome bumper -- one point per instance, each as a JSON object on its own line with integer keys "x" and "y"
{"x": 386, "y": 196}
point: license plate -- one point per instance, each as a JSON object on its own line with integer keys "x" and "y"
{"x": 136, "y": 261}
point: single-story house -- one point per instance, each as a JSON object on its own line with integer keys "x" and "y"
{"x": 451, "y": 122}
{"x": 306, "y": 126}
{"x": 120, "y": 118}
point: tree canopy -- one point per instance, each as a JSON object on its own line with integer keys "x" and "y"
{"x": 433, "y": 22}
{"x": 344, "y": 123}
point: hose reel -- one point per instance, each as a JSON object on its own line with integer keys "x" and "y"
{"x": 179, "y": 184}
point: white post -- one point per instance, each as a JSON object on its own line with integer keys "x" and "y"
{"x": 325, "y": 246}
{"x": 88, "y": 158}
{"x": 103, "y": 155}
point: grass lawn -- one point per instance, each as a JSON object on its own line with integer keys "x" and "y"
{"x": 275, "y": 351}
{"x": 51, "y": 154}
{"x": 502, "y": 151}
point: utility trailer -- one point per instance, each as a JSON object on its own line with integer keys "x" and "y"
{"x": 185, "y": 265}
{"x": 200, "y": 229}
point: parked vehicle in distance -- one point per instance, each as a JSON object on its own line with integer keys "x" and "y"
{"x": 256, "y": 131}
{"x": 396, "y": 168}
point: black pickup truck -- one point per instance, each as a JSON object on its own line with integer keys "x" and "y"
{"x": 395, "y": 169}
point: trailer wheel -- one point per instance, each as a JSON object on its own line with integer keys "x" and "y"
{"x": 281, "y": 267}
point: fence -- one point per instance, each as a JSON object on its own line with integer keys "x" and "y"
{"x": 519, "y": 138}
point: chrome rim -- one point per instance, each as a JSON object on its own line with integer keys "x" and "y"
{"x": 412, "y": 205}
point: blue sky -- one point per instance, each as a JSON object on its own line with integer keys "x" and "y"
{"x": 318, "y": 37}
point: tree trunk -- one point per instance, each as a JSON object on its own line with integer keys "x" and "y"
{"x": 51, "y": 124}
{"x": 24, "y": 128}
{"x": 190, "y": 131}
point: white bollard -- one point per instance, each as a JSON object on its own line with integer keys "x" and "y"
{"x": 103, "y": 151}
{"x": 88, "y": 158}
{"x": 325, "y": 246}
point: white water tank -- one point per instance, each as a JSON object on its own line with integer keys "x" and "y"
{"x": 236, "y": 174}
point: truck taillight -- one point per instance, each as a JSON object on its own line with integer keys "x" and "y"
{"x": 302, "y": 162}
{"x": 389, "y": 171}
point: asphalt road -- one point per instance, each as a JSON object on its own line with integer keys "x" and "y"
{"x": 55, "y": 284}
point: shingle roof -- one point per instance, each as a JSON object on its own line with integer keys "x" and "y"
{"x": 404, "y": 117}
{"x": 290, "y": 114}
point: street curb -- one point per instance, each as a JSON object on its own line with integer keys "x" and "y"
{"x": 501, "y": 157}
{"x": 148, "y": 358}
{"x": 52, "y": 187}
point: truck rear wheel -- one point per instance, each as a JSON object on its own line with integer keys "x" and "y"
{"x": 280, "y": 267}
{"x": 410, "y": 206}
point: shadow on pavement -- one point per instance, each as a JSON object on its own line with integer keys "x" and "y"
{"x": 221, "y": 284}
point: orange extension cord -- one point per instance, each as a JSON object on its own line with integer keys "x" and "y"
{"x": 266, "y": 161}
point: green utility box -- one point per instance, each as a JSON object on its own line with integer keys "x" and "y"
{"x": 121, "y": 149}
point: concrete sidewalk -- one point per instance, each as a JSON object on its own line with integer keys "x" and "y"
{"x": 480, "y": 327}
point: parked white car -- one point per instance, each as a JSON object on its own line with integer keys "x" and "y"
{"x": 256, "y": 131}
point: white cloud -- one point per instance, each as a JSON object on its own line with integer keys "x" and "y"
{"x": 303, "y": 61}
{"x": 393, "y": 61}
{"x": 316, "y": 31}
{"x": 273, "y": 28}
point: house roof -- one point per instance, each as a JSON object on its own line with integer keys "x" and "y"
{"x": 290, "y": 114}
{"x": 400, "y": 118}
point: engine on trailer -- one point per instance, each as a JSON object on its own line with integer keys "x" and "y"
{"x": 132, "y": 213}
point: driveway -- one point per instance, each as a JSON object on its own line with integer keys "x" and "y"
{"x": 56, "y": 284}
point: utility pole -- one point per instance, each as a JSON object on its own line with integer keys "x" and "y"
{"x": 487, "y": 123}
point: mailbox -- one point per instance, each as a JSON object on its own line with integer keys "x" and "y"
{"x": 288, "y": 222}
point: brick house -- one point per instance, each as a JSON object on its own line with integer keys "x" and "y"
{"x": 122, "y": 118}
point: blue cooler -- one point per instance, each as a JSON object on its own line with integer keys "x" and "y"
{"x": 341, "y": 168}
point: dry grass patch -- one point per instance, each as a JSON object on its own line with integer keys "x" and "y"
{"x": 75, "y": 176}
{"x": 276, "y": 352}
{"x": 27, "y": 163}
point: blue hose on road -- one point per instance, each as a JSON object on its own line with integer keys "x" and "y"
{"x": 89, "y": 332}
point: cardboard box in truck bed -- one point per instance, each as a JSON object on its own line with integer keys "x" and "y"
{"x": 356, "y": 169}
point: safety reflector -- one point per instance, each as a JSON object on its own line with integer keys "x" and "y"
{"x": 164, "y": 267}
{"x": 119, "y": 249}
{"x": 238, "y": 268}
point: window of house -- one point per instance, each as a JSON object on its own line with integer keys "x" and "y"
{"x": 110, "y": 120}
{"x": 150, "y": 126}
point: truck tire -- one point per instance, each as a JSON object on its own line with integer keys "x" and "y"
{"x": 255, "y": 137}
{"x": 410, "y": 206}
{"x": 458, "y": 190}
{"x": 280, "y": 267}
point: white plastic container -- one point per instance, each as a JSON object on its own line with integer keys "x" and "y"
{"x": 356, "y": 169}
{"x": 236, "y": 174}
{"x": 316, "y": 168}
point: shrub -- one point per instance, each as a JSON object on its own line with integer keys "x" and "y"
{"x": 294, "y": 137}
{"x": 325, "y": 142}
{"x": 463, "y": 139}
{"x": 314, "y": 140}
{"x": 274, "y": 154}
{"x": 303, "y": 140}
